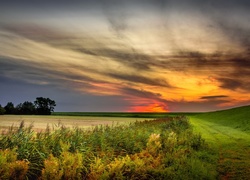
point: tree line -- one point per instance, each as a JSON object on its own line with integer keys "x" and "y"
{"x": 41, "y": 106}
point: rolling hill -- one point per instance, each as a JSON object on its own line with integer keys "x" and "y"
{"x": 237, "y": 118}
{"x": 228, "y": 133}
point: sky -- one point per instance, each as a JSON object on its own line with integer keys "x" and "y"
{"x": 126, "y": 55}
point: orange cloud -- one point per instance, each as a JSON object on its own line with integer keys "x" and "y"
{"x": 150, "y": 107}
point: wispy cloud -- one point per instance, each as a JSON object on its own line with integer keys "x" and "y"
{"x": 158, "y": 55}
{"x": 213, "y": 97}
{"x": 141, "y": 79}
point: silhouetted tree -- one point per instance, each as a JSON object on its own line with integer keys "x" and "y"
{"x": 18, "y": 109}
{"x": 44, "y": 106}
{"x": 9, "y": 108}
{"x": 2, "y": 110}
{"x": 28, "y": 108}
{"x": 41, "y": 106}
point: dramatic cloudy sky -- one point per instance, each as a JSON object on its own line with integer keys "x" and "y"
{"x": 126, "y": 55}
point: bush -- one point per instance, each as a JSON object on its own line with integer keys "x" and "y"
{"x": 66, "y": 166}
{"x": 10, "y": 167}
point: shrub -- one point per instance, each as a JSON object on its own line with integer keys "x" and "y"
{"x": 66, "y": 166}
{"x": 10, "y": 167}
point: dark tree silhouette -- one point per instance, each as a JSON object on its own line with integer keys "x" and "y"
{"x": 9, "y": 108}
{"x": 2, "y": 110}
{"x": 44, "y": 106}
{"x": 28, "y": 108}
{"x": 41, "y": 106}
{"x": 18, "y": 108}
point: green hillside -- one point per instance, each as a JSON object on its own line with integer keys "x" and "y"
{"x": 237, "y": 118}
{"x": 228, "y": 133}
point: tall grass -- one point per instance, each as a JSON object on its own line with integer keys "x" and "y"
{"x": 157, "y": 149}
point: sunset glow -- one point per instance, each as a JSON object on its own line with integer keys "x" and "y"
{"x": 150, "y": 108}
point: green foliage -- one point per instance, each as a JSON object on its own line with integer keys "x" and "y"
{"x": 228, "y": 133}
{"x": 44, "y": 106}
{"x": 157, "y": 149}
{"x": 10, "y": 167}
{"x": 66, "y": 166}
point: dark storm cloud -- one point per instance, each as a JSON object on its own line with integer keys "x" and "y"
{"x": 198, "y": 106}
{"x": 30, "y": 4}
{"x": 236, "y": 29}
{"x": 121, "y": 4}
{"x": 213, "y": 97}
{"x": 184, "y": 60}
{"x": 116, "y": 15}
{"x": 231, "y": 70}
{"x": 191, "y": 61}
{"x": 141, "y": 79}
{"x": 241, "y": 67}
{"x": 129, "y": 57}
{"x": 37, "y": 73}
{"x": 143, "y": 94}
{"x": 233, "y": 84}
{"x": 228, "y": 69}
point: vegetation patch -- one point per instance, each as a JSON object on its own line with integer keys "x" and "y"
{"x": 157, "y": 149}
{"x": 227, "y": 132}
{"x": 237, "y": 118}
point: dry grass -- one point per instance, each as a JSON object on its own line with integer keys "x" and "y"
{"x": 40, "y": 123}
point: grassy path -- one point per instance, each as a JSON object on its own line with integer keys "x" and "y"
{"x": 233, "y": 146}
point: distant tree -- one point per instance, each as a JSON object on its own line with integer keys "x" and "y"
{"x": 9, "y": 108}
{"x": 2, "y": 110}
{"x": 44, "y": 106}
{"x": 18, "y": 109}
{"x": 28, "y": 108}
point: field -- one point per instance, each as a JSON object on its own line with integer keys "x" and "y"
{"x": 40, "y": 123}
{"x": 121, "y": 114}
{"x": 229, "y": 133}
{"x": 213, "y": 145}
